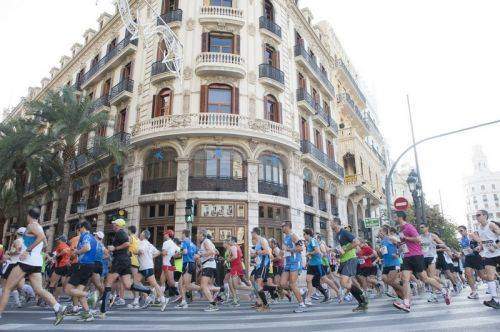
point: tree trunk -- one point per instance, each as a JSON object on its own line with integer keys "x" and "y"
{"x": 63, "y": 194}
{"x": 21, "y": 206}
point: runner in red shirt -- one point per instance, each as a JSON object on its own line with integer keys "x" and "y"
{"x": 236, "y": 271}
{"x": 62, "y": 271}
{"x": 367, "y": 272}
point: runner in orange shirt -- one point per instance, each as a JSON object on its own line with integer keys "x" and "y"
{"x": 62, "y": 255}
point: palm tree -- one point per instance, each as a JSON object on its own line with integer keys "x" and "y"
{"x": 24, "y": 155}
{"x": 65, "y": 117}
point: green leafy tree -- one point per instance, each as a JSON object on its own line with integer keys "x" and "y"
{"x": 25, "y": 160}
{"x": 64, "y": 117}
{"x": 439, "y": 225}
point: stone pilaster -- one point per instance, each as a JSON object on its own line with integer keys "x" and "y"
{"x": 316, "y": 224}
{"x": 253, "y": 176}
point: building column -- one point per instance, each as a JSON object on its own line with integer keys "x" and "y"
{"x": 342, "y": 205}
{"x": 50, "y": 237}
{"x": 315, "y": 195}
{"x": 316, "y": 224}
{"x": 253, "y": 176}
{"x": 329, "y": 232}
{"x": 355, "y": 221}
{"x": 182, "y": 188}
{"x": 101, "y": 221}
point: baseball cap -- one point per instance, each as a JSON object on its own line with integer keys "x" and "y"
{"x": 169, "y": 232}
{"x": 21, "y": 230}
{"x": 119, "y": 222}
{"x": 99, "y": 235}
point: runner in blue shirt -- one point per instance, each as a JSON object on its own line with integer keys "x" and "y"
{"x": 391, "y": 262}
{"x": 314, "y": 267}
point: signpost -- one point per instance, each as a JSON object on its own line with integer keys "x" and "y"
{"x": 401, "y": 204}
{"x": 372, "y": 222}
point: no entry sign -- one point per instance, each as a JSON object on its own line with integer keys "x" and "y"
{"x": 401, "y": 204}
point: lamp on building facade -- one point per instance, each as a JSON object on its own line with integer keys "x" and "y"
{"x": 81, "y": 206}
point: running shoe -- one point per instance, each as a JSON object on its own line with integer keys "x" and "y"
{"x": 60, "y": 315}
{"x": 300, "y": 308}
{"x": 264, "y": 308}
{"x": 446, "y": 296}
{"x": 327, "y": 300}
{"x": 492, "y": 304}
{"x": 473, "y": 296}
{"x": 150, "y": 299}
{"x": 211, "y": 308}
{"x": 164, "y": 305}
{"x": 112, "y": 299}
{"x": 176, "y": 299}
{"x": 182, "y": 305}
{"x": 119, "y": 301}
{"x": 432, "y": 299}
{"x": 361, "y": 307}
{"x": 390, "y": 295}
{"x": 308, "y": 303}
{"x": 401, "y": 306}
{"x": 86, "y": 317}
{"x": 315, "y": 297}
{"x": 235, "y": 303}
{"x": 133, "y": 306}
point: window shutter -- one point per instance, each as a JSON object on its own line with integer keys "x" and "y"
{"x": 236, "y": 100}
{"x": 153, "y": 113}
{"x": 170, "y": 111}
{"x": 204, "y": 41}
{"x": 280, "y": 112}
{"x": 203, "y": 98}
{"x": 266, "y": 114}
{"x": 277, "y": 62}
{"x": 237, "y": 47}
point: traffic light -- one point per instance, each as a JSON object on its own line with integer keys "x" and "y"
{"x": 189, "y": 210}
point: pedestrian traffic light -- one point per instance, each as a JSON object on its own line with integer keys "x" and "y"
{"x": 189, "y": 210}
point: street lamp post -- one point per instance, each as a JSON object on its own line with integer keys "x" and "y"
{"x": 81, "y": 206}
{"x": 416, "y": 193}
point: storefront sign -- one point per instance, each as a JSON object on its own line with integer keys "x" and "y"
{"x": 372, "y": 222}
{"x": 217, "y": 210}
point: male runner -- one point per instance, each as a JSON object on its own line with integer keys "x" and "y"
{"x": 429, "y": 249}
{"x": 413, "y": 262}
{"x": 189, "y": 251}
{"x": 489, "y": 235}
{"x": 11, "y": 258}
{"x": 62, "y": 270}
{"x": 30, "y": 265}
{"x": 206, "y": 255}
{"x": 292, "y": 248}
{"x": 86, "y": 250}
{"x": 348, "y": 263}
{"x": 236, "y": 269}
{"x": 390, "y": 258}
{"x": 262, "y": 263}
{"x": 121, "y": 265}
{"x": 133, "y": 249}
{"x": 315, "y": 270}
{"x": 473, "y": 260}
{"x": 169, "y": 250}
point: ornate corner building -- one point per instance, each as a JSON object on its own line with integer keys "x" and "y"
{"x": 268, "y": 124}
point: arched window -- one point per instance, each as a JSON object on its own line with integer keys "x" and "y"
{"x": 272, "y": 109}
{"x": 162, "y": 103}
{"x": 216, "y": 162}
{"x": 160, "y": 164}
{"x": 115, "y": 178}
{"x": 271, "y": 56}
{"x": 219, "y": 98}
{"x": 169, "y": 6}
{"x": 333, "y": 199}
{"x": 269, "y": 10}
{"x": 307, "y": 182}
{"x": 350, "y": 164}
{"x": 271, "y": 169}
{"x": 222, "y": 3}
{"x": 321, "y": 193}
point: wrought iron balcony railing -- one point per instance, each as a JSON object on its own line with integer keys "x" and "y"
{"x": 172, "y": 16}
{"x": 114, "y": 196}
{"x": 308, "y": 147}
{"x": 163, "y": 185}
{"x": 266, "y": 70}
{"x": 271, "y": 188}
{"x": 265, "y": 23}
{"x": 217, "y": 184}
{"x": 126, "y": 84}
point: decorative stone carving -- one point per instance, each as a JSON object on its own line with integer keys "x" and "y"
{"x": 183, "y": 141}
{"x": 217, "y": 79}
{"x": 253, "y": 144}
{"x": 188, "y": 73}
{"x": 190, "y": 24}
{"x": 252, "y": 106}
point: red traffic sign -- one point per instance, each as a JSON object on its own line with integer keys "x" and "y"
{"x": 401, "y": 204}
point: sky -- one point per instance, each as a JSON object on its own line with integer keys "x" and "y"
{"x": 444, "y": 54}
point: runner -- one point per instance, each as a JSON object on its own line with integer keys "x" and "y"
{"x": 146, "y": 255}
{"x": 429, "y": 248}
{"x": 348, "y": 263}
{"x": 169, "y": 250}
{"x": 101, "y": 253}
{"x": 189, "y": 251}
{"x": 390, "y": 258}
{"x": 292, "y": 248}
{"x": 413, "y": 263}
{"x": 11, "y": 260}
{"x": 86, "y": 251}
{"x": 62, "y": 266}
{"x": 236, "y": 270}
{"x": 121, "y": 266}
{"x": 133, "y": 249}
{"x": 263, "y": 258}
{"x": 315, "y": 270}
{"x": 30, "y": 265}
{"x": 366, "y": 272}
{"x": 489, "y": 236}
{"x": 473, "y": 261}
{"x": 206, "y": 255}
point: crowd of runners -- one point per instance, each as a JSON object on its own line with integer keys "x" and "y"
{"x": 95, "y": 278}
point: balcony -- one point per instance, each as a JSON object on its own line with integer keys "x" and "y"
{"x": 173, "y": 19}
{"x": 272, "y": 76}
{"x": 222, "y": 15}
{"x": 214, "y": 124}
{"x": 363, "y": 186}
{"x": 121, "y": 92}
{"x": 309, "y": 62}
{"x": 96, "y": 152}
{"x": 344, "y": 73}
{"x": 270, "y": 28}
{"x": 308, "y": 200}
{"x": 114, "y": 196}
{"x": 335, "y": 211}
{"x": 77, "y": 86}
{"x": 100, "y": 104}
{"x": 322, "y": 205}
{"x": 164, "y": 185}
{"x": 217, "y": 184}
{"x": 223, "y": 64}
{"x": 160, "y": 72}
{"x": 322, "y": 117}
{"x": 111, "y": 60}
{"x": 352, "y": 111}
{"x": 274, "y": 189}
{"x": 93, "y": 203}
{"x": 306, "y": 101}
{"x": 329, "y": 165}
{"x": 333, "y": 127}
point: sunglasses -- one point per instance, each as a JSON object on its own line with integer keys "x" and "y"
{"x": 479, "y": 215}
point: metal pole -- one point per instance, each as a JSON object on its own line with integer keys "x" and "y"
{"x": 388, "y": 179}
{"x": 420, "y": 197}
{"x": 441, "y": 203}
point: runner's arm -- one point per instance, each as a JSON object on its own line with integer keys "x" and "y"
{"x": 40, "y": 237}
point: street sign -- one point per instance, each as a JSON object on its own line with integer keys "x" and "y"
{"x": 372, "y": 222}
{"x": 401, "y": 204}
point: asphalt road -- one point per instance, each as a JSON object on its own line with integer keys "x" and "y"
{"x": 462, "y": 315}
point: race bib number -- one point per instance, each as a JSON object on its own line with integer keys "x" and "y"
{"x": 404, "y": 248}
{"x": 491, "y": 246}
{"x": 361, "y": 261}
{"x": 383, "y": 250}
{"x": 467, "y": 251}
